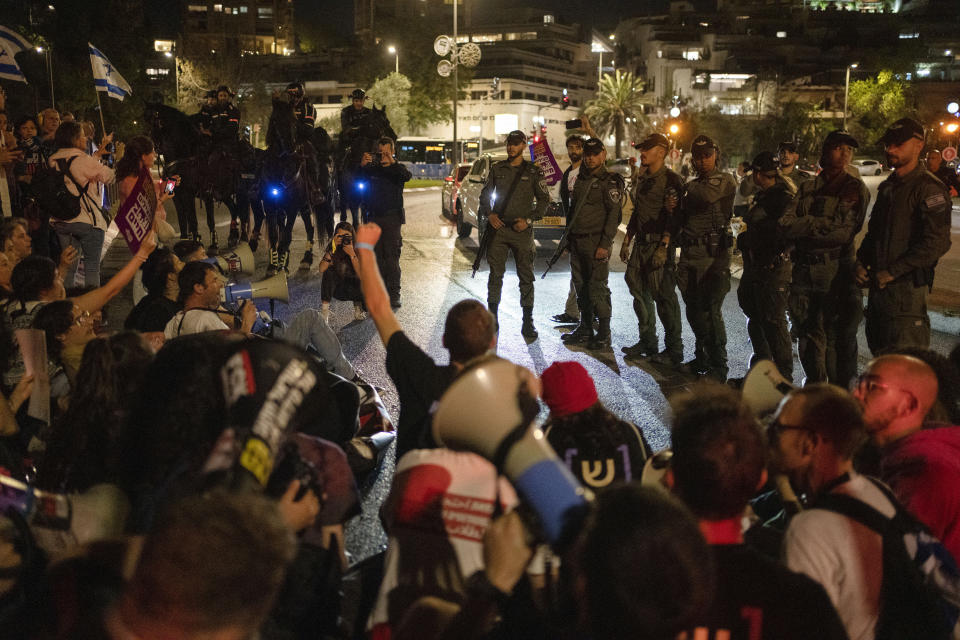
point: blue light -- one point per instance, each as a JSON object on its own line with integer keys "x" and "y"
{"x": 361, "y": 186}
{"x": 275, "y": 192}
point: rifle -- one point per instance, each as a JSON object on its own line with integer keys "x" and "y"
{"x": 488, "y": 231}
{"x": 564, "y": 241}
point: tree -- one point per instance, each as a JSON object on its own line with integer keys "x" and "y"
{"x": 793, "y": 121}
{"x": 618, "y": 103}
{"x": 393, "y": 92}
{"x": 874, "y": 103}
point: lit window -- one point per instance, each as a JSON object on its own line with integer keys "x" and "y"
{"x": 487, "y": 37}
{"x": 692, "y": 54}
{"x": 909, "y": 35}
{"x": 923, "y": 73}
{"x": 163, "y": 45}
{"x": 218, "y": 7}
{"x": 548, "y": 18}
{"x": 197, "y": 8}
{"x": 659, "y": 53}
{"x": 243, "y": 9}
{"x": 781, "y": 34}
{"x": 264, "y": 12}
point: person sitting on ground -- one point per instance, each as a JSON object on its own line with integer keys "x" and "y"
{"x": 597, "y": 446}
{"x": 154, "y": 311}
{"x": 718, "y": 464}
{"x": 199, "y": 297}
{"x": 921, "y": 464}
{"x": 68, "y": 330}
{"x": 467, "y": 334}
{"x": 190, "y": 250}
{"x": 339, "y": 270}
{"x": 17, "y": 244}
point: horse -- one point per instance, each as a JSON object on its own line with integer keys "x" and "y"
{"x": 284, "y": 188}
{"x": 226, "y": 176}
{"x": 180, "y": 145}
{"x": 353, "y": 144}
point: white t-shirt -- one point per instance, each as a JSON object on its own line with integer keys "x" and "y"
{"x": 193, "y": 321}
{"x": 440, "y": 506}
{"x": 844, "y": 556}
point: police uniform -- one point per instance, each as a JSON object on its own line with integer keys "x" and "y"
{"x": 653, "y": 228}
{"x": 765, "y": 283}
{"x": 351, "y": 118}
{"x": 225, "y": 126}
{"x": 531, "y": 187}
{"x": 948, "y": 177}
{"x": 703, "y": 273}
{"x": 909, "y": 230}
{"x": 797, "y": 177}
{"x": 597, "y": 201}
{"x": 825, "y": 304}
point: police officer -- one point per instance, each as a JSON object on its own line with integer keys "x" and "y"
{"x": 507, "y": 201}
{"x": 205, "y": 116}
{"x": 788, "y": 156}
{"x": 651, "y": 273}
{"x": 826, "y": 306}
{"x": 354, "y": 116}
{"x": 909, "y": 230}
{"x": 306, "y": 116}
{"x": 385, "y": 178}
{"x": 765, "y": 282}
{"x": 703, "y": 273}
{"x": 225, "y": 121}
{"x": 596, "y": 213}
{"x": 947, "y": 175}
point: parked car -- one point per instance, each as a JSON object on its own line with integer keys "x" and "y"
{"x": 868, "y": 167}
{"x": 467, "y": 204}
{"x": 451, "y": 184}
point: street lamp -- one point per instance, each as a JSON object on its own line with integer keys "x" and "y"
{"x": 176, "y": 77}
{"x": 49, "y": 72}
{"x": 846, "y": 92}
{"x": 393, "y": 51}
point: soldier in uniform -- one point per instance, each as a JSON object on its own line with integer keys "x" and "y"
{"x": 788, "y": 155}
{"x": 703, "y": 273}
{"x": 947, "y": 175}
{"x": 507, "y": 201}
{"x": 597, "y": 198}
{"x": 651, "y": 274}
{"x": 765, "y": 282}
{"x": 825, "y": 304}
{"x": 909, "y": 230}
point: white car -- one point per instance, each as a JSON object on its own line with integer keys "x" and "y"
{"x": 868, "y": 167}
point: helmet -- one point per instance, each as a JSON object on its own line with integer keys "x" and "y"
{"x": 295, "y": 89}
{"x": 358, "y": 94}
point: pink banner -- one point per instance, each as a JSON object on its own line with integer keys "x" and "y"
{"x": 540, "y": 153}
{"x": 135, "y": 216}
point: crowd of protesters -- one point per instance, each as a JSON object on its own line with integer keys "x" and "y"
{"x": 192, "y": 474}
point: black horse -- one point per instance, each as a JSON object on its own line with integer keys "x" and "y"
{"x": 179, "y": 144}
{"x": 353, "y": 144}
{"x": 284, "y": 187}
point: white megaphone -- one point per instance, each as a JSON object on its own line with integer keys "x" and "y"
{"x": 274, "y": 288}
{"x": 239, "y": 261}
{"x": 764, "y": 388}
{"x": 491, "y": 410}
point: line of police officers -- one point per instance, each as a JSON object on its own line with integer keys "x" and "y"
{"x": 797, "y": 242}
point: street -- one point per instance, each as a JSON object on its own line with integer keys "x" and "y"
{"x": 436, "y": 274}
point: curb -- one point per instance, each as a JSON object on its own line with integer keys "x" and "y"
{"x": 422, "y": 189}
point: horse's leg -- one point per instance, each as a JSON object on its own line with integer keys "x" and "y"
{"x": 324, "y": 223}
{"x": 243, "y": 212}
{"x": 286, "y": 237}
{"x": 183, "y": 220}
{"x": 273, "y": 236}
{"x": 231, "y": 203}
{"x": 257, "y": 206}
{"x": 214, "y": 246}
{"x": 306, "y": 212}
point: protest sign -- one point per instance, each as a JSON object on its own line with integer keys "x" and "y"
{"x": 33, "y": 346}
{"x": 541, "y": 155}
{"x": 135, "y": 217}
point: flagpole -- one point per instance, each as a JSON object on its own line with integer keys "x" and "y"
{"x": 103, "y": 127}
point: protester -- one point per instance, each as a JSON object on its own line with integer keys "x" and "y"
{"x": 155, "y": 310}
{"x": 84, "y": 233}
{"x": 139, "y": 155}
{"x": 468, "y": 333}
{"x": 49, "y": 124}
{"x": 718, "y": 464}
{"x": 599, "y": 448}
{"x": 190, "y": 250}
{"x": 339, "y": 270}
{"x": 68, "y": 329}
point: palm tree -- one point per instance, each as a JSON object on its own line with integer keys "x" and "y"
{"x": 618, "y": 103}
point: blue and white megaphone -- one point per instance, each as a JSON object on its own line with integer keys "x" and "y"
{"x": 491, "y": 409}
{"x": 274, "y": 288}
{"x": 239, "y": 260}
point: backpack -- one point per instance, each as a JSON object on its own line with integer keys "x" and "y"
{"x": 920, "y": 594}
{"x": 51, "y": 192}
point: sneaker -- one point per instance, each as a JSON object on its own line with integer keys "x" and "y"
{"x": 359, "y": 313}
{"x": 395, "y": 303}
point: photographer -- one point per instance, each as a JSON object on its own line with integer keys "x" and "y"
{"x": 384, "y": 205}
{"x": 339, "y": 270}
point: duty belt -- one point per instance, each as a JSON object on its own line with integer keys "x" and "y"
{"x": 648, "y": 238}
{"x": 702, "y": 241}
{"x": 819, "y": 257}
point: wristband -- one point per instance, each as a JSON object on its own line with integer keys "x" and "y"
{"x": 363, "y": 245}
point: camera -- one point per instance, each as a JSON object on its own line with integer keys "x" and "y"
{"x": 347, "y": 240}
{"x": 574, "y": 124}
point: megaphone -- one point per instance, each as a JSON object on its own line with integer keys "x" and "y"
{"x": 491, "y": 410}
{"x": 240, "y": 261}
{"x": 274, "y": 288}
{"x": 764, "y": 388}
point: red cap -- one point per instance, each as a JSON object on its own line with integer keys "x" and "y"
{"x": 567, "y": 388}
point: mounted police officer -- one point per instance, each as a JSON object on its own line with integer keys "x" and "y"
{"x": 356, "y": 115}
{"x": 597, "y": 200}
{"x": 513, "y": 197}
{"x": 765, "y": 283}
{"x": 909, "y": 231}
{"x": 651, "y": 272}
{"x": 703, "y": 273}
{"x": 225, "y": 121}
{"x": 204, "y": 119}
{"x": 788, "y": 155}
{"x": 306, "y": 117}
{"x": 826, "y": 306}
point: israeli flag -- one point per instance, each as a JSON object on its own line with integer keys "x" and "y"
{"x": 11, "y": 43}
{"x": 105, "y": 76}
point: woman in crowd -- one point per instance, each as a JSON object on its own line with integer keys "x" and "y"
{"x": 68, "y": 329}
{"x": 85, "y": 232}
{"x": 339, "y": 271}
{"x": 138, "y": 154}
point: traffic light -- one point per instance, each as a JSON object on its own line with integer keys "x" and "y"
{"x": 565, "y": 100}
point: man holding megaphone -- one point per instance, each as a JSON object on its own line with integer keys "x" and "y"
{"x": 200, "y": 296}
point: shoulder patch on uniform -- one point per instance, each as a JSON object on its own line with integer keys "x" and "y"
{"x": 936, "y": 200}
{"x": 614, "y": 193}
{"x": 543, "y": 183}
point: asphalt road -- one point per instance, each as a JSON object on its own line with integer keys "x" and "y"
{"x": 436, "y": 274}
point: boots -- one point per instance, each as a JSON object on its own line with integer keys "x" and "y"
{"x": 582, "y": 334}
{"x": 284, "y": 261}
{"x": 602, "y": 339}
{"x": 492, "y": 308}
{"x": 214, "y": 247}
{"x": 274, "y": 265}
{"x": 528, "y": 330}
{"x": 234, "y": 237}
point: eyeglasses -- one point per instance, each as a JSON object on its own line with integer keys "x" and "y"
{"x": 82, "y": 319}
{"x": 775, "y": 428}
{"x": 868, "y": 383}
